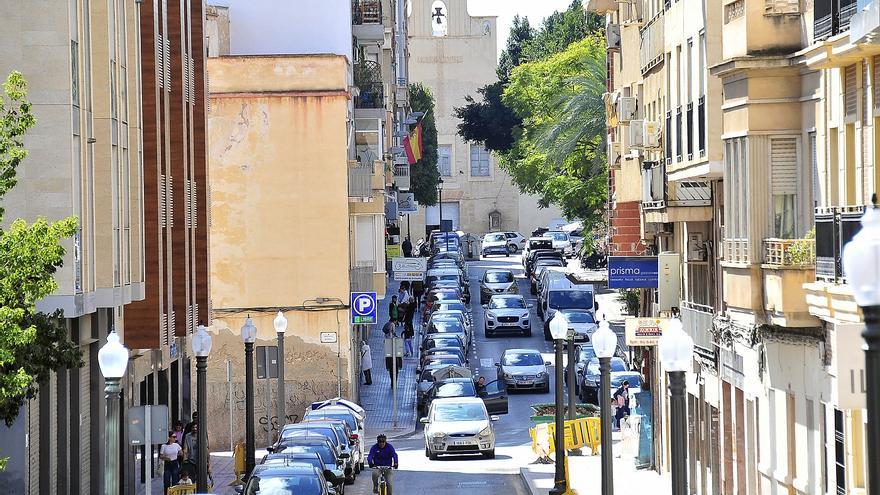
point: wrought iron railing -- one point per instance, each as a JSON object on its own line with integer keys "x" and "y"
{"x": 790, "y": 252}
{"x": 368, "y": 79}
{"x": 736, "y": 250}
{"x": 699, "y": 286}
{"x": 835, "y": 226}
{"x": 366, "y": 12}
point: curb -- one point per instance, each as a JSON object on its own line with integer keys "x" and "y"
{"x": 527, "y": 482}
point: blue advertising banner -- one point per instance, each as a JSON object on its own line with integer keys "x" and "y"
{"x": 632, "y": 272}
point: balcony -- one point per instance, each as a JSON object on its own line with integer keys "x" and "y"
{"x": 366, "y": 20}
{"x": 832, "y": 17}
{"x": 361, "y": 277}
{"x": 677, "y": 198}
{"x": 368, "y": 79}
{"x": 699, "y": 287}
{"x": 788, "y": 265}
{"x": 651, "y": 46}
{"x": 835, "y": 226}
{"x": 402, "y": 176}
{"x": 600, "y": 6}
{"x": 360, "y": 181}
{"x": 736, "y": 251}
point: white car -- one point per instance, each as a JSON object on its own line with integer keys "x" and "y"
{"x": 507, "y": 313}
{"x": 516, "y": 239}
{"x": 560, "y": 239}
{"x": 459, "y": 425}
{"x": 497, "y": 243}
{"x": 582, "y": 322}
{"x": 497, "y": 282}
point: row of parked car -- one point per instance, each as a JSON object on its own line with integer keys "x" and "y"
{"x": 508, "y": 243}
{"x": 320, "y": 455}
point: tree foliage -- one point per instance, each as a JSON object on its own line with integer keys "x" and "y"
{"x": 424, "y": 174}
{"x": 561, "y": 29}
{"x": 32, "y": 344}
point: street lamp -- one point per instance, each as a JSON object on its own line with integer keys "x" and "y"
{"x": 280, "y": 328}
{"x": 861, "y": 263}
{"x": 605, "y": 345}
{"x": 676, "y": 354}
{"x": 113, "y": 360}
{"x": 201, "y": 347}
{"x": 249, "y": 336}
{"x": 559, "y": 331}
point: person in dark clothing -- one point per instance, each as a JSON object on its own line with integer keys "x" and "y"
{"x": 389, "y": 365}
{"x": 621, "y": 400}
{"x": 389, "y": 328}
{"x": 189, "y": 426}
{"x": 393, "y": 310}
{"x": 407, "y": 248}
{"x": 382, "y": 454}
{"x": 480, "y": 386}
{"x": 418, "y": 288}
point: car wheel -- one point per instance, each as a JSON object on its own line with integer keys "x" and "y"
{"x": 427, "y": 454}
{"x": 488, "y": 454}
{"x": 432, "y": 456}
{"x": 528, "y": 333}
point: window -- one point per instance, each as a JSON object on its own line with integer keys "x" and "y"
{"x": 783, "y": 183}
{"x": 479, "y": 162}
{"x": 74, "y": 72}
{"x": 444, "y": 160}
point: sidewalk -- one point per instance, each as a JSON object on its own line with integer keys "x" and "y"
{"x": 222, "y": 467}
{"x": 377, "y": 398}
{"x": 586, "y": 475}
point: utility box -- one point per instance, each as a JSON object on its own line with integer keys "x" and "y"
{"x": 668, "y": 281}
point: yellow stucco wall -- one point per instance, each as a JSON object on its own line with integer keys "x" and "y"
{"x": 279, "y": 217}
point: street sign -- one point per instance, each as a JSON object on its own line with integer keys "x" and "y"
{"x": 632, "y": 272}
{"x": 138, "y": 424}
{"x": 410, "y": 269}
{"x": 392, "y": 250}
{"x": 644, "y": 331}
{"x": 364, "y": 308}
{"x": 328, "y": 337}
{"x": 267, "y": 361}
{"x": 406, "y": 203}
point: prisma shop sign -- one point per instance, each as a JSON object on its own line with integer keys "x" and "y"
{"x": 632, "y": 272}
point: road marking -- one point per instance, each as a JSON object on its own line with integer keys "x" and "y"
{"x": 487, "y": 363}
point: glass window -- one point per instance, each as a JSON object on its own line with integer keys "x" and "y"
{"x": 522, "y": 359}
{"x": 579, "y": 317}
{"x": 479, "y": 162}
{"x": 499, "y": 277}
{"x": 495, "y": 238}
{"x": 456, "y": 389}
{"x": 570, "y": 299}
{"x": 444, "y": 160}
{"x": 507, "y": 303}
{"x": 284, "y": 485}
{"x": 74, "y": 72}
{"x": 459, "y": 412}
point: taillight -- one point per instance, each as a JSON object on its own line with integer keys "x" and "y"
{"x": 354, "y": 436}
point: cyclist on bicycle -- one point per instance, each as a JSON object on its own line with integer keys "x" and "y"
{"x": 382, "y": 455}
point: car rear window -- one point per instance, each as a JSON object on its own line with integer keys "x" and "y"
{"x": 570, "y": 299}
{"x": 522, "y": 359}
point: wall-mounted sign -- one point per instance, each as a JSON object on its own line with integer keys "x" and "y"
{"x": 392, "y": 251}
{"x": 632, "y": 272}
{"x": 328, "y": 337}
{"x": 406, "y": 203}
{"x": 644, "y": 331}
{"x": 363, "y": 308}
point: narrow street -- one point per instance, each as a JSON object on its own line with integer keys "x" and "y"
{"x": 453, "y": 474}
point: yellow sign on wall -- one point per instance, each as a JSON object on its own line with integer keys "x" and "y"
{"x": 644, "y": 331}
{"x": 392, "y": 251}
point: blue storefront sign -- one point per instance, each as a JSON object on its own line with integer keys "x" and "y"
{"x": 632, "y": 272}
{"x": 363, "y": 308}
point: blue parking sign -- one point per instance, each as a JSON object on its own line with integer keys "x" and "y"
{"x": 364, "y": 308}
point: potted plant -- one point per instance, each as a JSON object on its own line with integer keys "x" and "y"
{"x": 546, "y": 412}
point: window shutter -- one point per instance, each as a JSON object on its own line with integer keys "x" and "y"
{"x": 193, "y": 186}
{"x": 171, "y": 325}
{"x": 164, "y": 330}
{"x": 169, "y": 201}
{"x": 162, "y": 202}
{"x": 849, "y": 91}
{"x": 167, "y": 65}
{"x": 874, "y": 86}
{"x": 160, "y": 59}
{"x": 864, "y": 102}
{"x": 814, "y": 164}
{"x": 783, "y": 165}
{"x": 192, "y": 84}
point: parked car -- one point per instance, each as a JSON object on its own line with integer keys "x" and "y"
{"x": 459, "y": 425}
{"x": 583, "y": 322}
{"x": 354, "y": 447}
{"x": 584, "y": 353}
{"x": 316, "y": 443}
{"x": 441, "y": 340}
{"x": 497, "y": 282}
{"x": 454, "y": 306}
{"x": 589, "y": 389}
{"x": 429, "y": 354}
{"x": 549, "y": 273}
{"x": 448, "y": 324}
{"x": 516, "y": 240}
{"x": 507, "y": 313}
{"x": 338, "y": 438}
{"x": 535, "y": 243}
{"x": 496, "y": 243}
{"x": 354, "y": 420}
{"x": 278, "y": 479}
{"x": 496, "y": 402}
{"x": 302, "y": 456}
{"x": 523, "y": 369}
{"x": 449, "y": 313}
{"x": 561, "y": 243}
{"x": 540, "y": 254}
{"x": 540, "y": 265}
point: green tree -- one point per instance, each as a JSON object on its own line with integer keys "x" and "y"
{"x": 521, "y": 33}
{"x": 424, "y": 175}
{"x": 32, "y": 344}
{"x": 561, "y": 29}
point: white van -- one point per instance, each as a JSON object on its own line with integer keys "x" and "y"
{"x": 549, "y": 273}
{"x": 564, "y": 294}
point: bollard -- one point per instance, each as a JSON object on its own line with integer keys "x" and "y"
{"x": 239, "y": 464}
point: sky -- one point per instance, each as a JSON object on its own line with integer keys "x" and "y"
{"x": 535, "y": 10}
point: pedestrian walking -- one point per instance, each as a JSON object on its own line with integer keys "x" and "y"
{"x": 408, "y": 334}
{"x": 191, "y": 451}
{"x": 189, "y": 426}
{"x": 389, "y": 365}
{"x": 389, "y": 328}
{"x": 178, "y": 432}
{"x": 172, "y": 453}
{"x": 418, "y": 288}
{"x": 621, "y": 400}
{"x": 393, "y": 310}
{"x": 367, "y": 363}
{"x": 407, "y": 248}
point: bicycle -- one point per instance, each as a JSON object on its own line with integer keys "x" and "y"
{"x": 383, "y": 484}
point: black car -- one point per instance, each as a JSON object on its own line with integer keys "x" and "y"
{"x": 284, "y": 479}
{"x": 493, "y": 396}
{"x": 299, "y": 455}
{"x": 538, "y": 254}
{"x": 442, "y": 340}
{"x": 318, "y": 437}
{"x": 589, "y": 389}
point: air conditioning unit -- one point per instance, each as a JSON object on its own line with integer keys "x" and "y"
{"x": 652, "y": 134}
{"x": 626, "y": 108}
{"x": 612, "y": 36}
{"x": 637, "y": 133}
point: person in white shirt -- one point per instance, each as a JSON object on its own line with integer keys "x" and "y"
{"x": 171, "y": 452}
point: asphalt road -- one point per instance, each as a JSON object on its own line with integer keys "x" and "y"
{"x": 474, "y": 474}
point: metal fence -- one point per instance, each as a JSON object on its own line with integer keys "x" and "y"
{"x": 361, "y": 277}
{"x": 360, "y": 181}
{"x": 366, "y": 12}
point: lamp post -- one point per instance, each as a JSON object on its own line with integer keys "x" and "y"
{"x": 249, "y": 336}
{"x": 605, "y": 343}
{"x": 676, "y": 354}
{"x": 280, "y": 328}
{"x": 113, "y": 360}
{"x": 559, "y": 331}
{"x": 201, "y": 347}
{"x": 861, "y": 263}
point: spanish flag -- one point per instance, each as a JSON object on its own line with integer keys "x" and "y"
{"x": 412, "y": 144}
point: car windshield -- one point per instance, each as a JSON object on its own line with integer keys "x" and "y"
{"x": 447, "y": 324}
{"x": 507, "y": 302}
{"x": 283, "y": 459}
{"x": 456, "y": 306}
{"x": 284, "y": 484}
{"x": 617, "y": 364}
{"x": 548, "y": 244}
{"x": 586, "y": 353}
{"x": 446, "y": 295}
{"x": 441, "y": 341}
{"x": 635, "y": 381}
{"x": 548, "y": 262}
{"x": 579, "y": 317}
{"x": 348, "y": 418}
{"x": 313, "y": 431}
{"x": 499, "y": 277}
{"x": 557, "y": 236}
{"x": 570, "y": 299}
{"x": 445, "y": 360}
{"x": 522, "y": 359}
{"x": 494, "y": 237}
{"x": 457, "y": 389}
{"x": 459, "y": 412}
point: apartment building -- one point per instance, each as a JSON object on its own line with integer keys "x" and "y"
{"x": 756, "y": 160}
{"x": 303, "y": 111}
{"x": 81, "y": 61}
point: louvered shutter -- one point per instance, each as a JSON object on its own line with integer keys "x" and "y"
{"x": 192, "y": 82}
{"x": 783, "y": 165}
{"x": 171, "y": 325}
{"x": 167, "y": 65}
{"x": 160, "y": 59}
{"x": 814, "y": 165}
{"x": 874, "y": 86}
{"x": 864, "y": 100}
{"x": 164, "y": 330}
{"x": 851, "y": 99}
{"x": 169, "y": 201}
{"x": 193, "y": 187}
{"x": 163, "y": 200}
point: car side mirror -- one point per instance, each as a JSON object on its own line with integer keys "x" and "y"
{"x": 494, "y": 418}
{"x": 344, "y": 455}
{"x": 270, "y": 449}
{"x": 424, "y": 420}
{"x": 548, "y": 363}
{"x": 239, "y": 489}
{"x": 485, "y": 306}
{"x": 497, "y": 364}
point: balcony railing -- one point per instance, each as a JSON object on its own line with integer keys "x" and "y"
{"x": 790, "y": 252}
{"x": 402, "y": 176}
{"x": 736, "y": 250}
{"x": 651, "y": 47}
{"x": 832, "y": 17}
{"x": 699, "y": 286}
{"x": 360, "y": 181}
{"x": 835, "y": 226}
{"x": 361, "y": 277}
{"x": 366, "y": 12}
{"x": 368, "y": 79}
